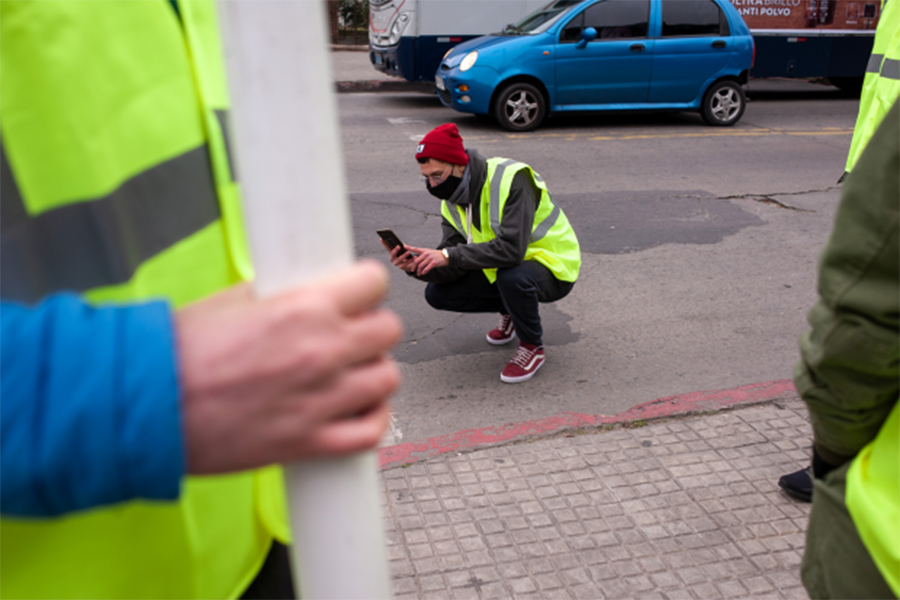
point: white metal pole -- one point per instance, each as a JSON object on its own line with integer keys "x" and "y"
{"x": 287, "y": 146}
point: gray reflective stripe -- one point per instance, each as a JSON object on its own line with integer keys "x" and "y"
{"x": 222, "y": 116}
{"x": 495, "y": 192}
{"x": 452, "y": 211}
{"x": 102, "y": 242}
{"x": 874, "y": 64}
{"x": 547, "y": 224}
{"x": 890, "y": 69}
{"x": 12, "y": 209}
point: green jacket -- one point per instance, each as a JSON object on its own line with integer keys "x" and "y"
{"x": 849, "y": 375}
{"x": 850, "y": 364}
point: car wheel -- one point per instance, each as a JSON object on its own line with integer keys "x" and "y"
{"x": 520, "y": 107}
{"x": 723, "y": 104}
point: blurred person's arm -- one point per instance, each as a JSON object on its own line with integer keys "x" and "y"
{"x": 89, "y": 408}
{"x": 103, "y": 405}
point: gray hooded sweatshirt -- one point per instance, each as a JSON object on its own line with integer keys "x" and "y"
{"x": 516, "y": 223}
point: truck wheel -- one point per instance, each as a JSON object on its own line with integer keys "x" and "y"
{"x": 851, "y": 85}
{"x": 520, "y": 107}
{"x": 723, "y": 104}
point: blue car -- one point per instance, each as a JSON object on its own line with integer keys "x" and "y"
{"x": 591, "y": 55}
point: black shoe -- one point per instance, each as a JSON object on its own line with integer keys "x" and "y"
{"x": 798, "y": 485}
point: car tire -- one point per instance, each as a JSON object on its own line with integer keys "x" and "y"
{"x": 723, "y": 104}
{"x": 520, "y": 107}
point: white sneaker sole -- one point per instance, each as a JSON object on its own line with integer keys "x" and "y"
{"x": 521, "y": 378}
{"x": 500, "y": 342}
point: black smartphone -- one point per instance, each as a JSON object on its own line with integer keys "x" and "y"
{"x": 391, "y": 239}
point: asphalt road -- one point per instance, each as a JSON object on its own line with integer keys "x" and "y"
{"x": 699, "y": 251}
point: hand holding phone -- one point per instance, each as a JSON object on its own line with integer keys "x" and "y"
{"x": 390, "y": 238}
{"x": 400, "y": 256}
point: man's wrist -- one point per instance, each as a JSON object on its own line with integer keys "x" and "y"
{"x": 446, "y": 254}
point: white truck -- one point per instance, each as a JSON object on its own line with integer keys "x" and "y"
{"x": 794, "y": 38}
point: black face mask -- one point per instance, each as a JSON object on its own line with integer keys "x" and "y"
{"x": 445, "y": 189}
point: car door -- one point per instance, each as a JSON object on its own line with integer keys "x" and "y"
{"x": 695, "y": 43}
{"x": 613, "y": 69}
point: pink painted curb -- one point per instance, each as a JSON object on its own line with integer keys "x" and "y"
{"x": 682, "y": 404}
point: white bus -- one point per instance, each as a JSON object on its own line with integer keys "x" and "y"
{"x": 408, "y": 38}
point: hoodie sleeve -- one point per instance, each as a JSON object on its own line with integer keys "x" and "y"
{"x": 90, "y": 410}
{"x": 508, "y": 248}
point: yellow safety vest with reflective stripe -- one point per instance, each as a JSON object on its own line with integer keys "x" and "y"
{"x": 116, "y": 183}
{"x": 873, "y": 479}
{"x": 873, "y": 498}
{"x": 881, "y": 87}
{"x": 553, "y": 242}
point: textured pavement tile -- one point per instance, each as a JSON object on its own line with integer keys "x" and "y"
{"x": 707, "y": 591}
{"x": 694, "y": 514}
{"x": 681, "y": 594}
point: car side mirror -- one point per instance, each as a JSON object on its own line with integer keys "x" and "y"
{"x": 588, "y": 34}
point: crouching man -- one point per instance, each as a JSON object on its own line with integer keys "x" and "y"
{"x": 506, "y": 247}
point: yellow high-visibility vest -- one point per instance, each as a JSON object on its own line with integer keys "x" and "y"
{"x": 873, "y": 498}
{"x": 117, "y": 184}
{"x": 881, "y": 86}
{"x": 553, "y": 242}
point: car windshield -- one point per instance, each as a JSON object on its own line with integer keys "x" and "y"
{"x": 540, "y": 20}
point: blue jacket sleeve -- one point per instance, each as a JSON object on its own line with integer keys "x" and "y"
{"x": 90, "y": 406}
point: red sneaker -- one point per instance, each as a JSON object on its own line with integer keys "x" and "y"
{"x": 504, "y": 333}
{"x": 525, "y": 363}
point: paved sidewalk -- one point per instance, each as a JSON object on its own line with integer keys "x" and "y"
{"x": 685, "y": 507}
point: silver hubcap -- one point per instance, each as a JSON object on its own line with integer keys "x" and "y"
{"x": 725, "y": 104}
{"x": 521, "y": 108}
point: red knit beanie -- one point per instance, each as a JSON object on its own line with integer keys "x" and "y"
{"x": 443, "y": 143}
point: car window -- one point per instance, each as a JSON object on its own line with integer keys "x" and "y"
{"x": 540, "y": 20}
{"x": 693, "y": 17}
{"x": 612, "y": 19}
{"x": 571, "y": 31}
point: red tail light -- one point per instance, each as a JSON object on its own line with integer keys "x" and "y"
{"x": 753, "y": 60}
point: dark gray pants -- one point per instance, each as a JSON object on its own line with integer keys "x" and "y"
{"x": 517, "y": 292}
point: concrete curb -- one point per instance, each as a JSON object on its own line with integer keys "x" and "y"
{"x": 384, "y": 85}
{"x": 672, "y": 406}
{"x": 349, "y": 48}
